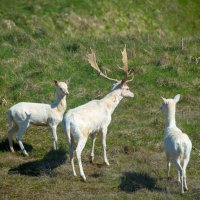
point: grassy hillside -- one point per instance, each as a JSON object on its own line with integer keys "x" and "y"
{"x": 45, "y": 40}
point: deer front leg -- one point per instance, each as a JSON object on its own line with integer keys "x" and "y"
{"x": 104, "y": 133}
{"x": 54, "y": 136}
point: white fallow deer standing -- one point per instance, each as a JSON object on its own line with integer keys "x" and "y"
{"x": 177, "y": 144}
{"x": 23, "y": 114}
{"x": 94, "y": 116}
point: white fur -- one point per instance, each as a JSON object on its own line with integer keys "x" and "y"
{"x": 177, "y": 144}
{"x": 90, "y": 118}
{"x": 23, "y": 114}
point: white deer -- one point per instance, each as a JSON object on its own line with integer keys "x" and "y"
{"x": 177, "y": 144}
{"x": 23, "y": 114}
{"x": 94, "y": 116}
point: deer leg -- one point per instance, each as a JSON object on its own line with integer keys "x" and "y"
{"x": 93, "y": 137}
{"x": 71, "y": 151}
{"x": 180, "y": 170}
{"x": 179, "y": 177}
{"x": 13, "y": 129}
{"x": 168, "y": 166}
{"x": 185, "y": 163}
{"x": 71, "y": 154}
{"x": 81, "y": 144}
{"x": 20, "y": 132}
{"x": 104, "y": 133}
{"x": 54, "y": 136}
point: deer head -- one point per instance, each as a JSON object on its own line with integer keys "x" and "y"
{"x": 169, "y": 103}
{"x": 61, "y": 88}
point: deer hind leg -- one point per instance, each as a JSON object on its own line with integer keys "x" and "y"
{"x": 185, "y": 163}
{"x": 180, "y": 171}
{"x": 168, "y": 168}
{"x": 81, "y": 144}
{"x": 71, "y": 154}
{"x": 168, "y": 165}
{"x": 71, "y": 151}
{"x": 22, "y": 128}
{"x": 179, "y": 177}
{"x": 93, "y": 137}
{"x": 12, "y": 130}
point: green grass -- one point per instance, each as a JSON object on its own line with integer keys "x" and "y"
{"x": 45, "y": 40}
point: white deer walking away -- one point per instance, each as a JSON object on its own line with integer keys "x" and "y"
{"x": 23, "y": 114}
{"x": 94, "y": 116}
{"x": 177, "y": 144}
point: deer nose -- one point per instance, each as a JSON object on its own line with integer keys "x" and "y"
{"x": 132, "y": 95}
{"x": 67, "y": 92}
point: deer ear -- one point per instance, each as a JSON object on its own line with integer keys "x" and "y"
{"x": 56, "y": 82}
{"x": 177, "y": 98}
{"x": 164, "y": 99}
{"x": 68, "y": 81}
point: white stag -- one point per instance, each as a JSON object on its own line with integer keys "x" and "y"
{"x": 95, "y": 115}
{"x": 23, "y": 114}
{"x": 177, "y": 144}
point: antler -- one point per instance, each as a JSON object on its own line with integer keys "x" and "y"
{"x": 125, "y": 62}
{"x": 92, "y": 60}
{"x": 125, "y": 65}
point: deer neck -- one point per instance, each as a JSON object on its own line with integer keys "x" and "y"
{"x": 60, "y": 103}
{"x": 112, "y": 100}
{"x": 170, "y": 117}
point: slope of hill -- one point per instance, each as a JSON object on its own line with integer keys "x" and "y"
{"x": 45, "y": 40}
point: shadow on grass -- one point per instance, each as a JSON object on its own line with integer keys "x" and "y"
{"x": 43, "y": 167}
{"x": 97, "y": 175}
{"x": 4, "y": 146}
{"x": 132, "y": 181}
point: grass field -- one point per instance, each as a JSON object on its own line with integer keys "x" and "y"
{"x": 44, "y": 40}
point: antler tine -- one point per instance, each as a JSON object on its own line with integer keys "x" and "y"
{"x": 125, "y": 65}
{"x": 130, "y": 79}
{"x": 125, "y": 61}
{"x": 92, "y": 60}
